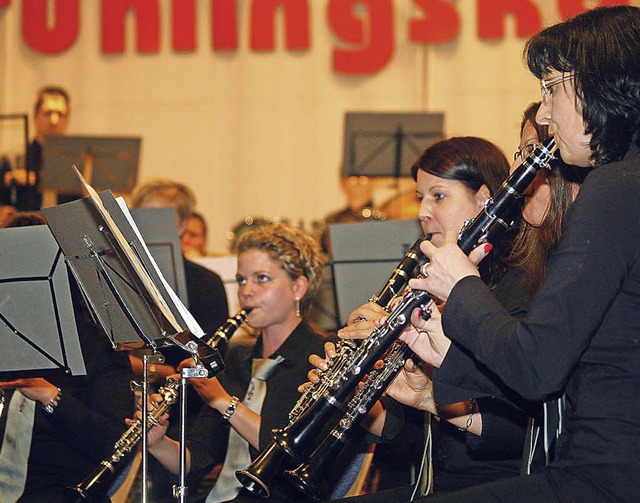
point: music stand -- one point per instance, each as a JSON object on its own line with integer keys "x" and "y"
{"x": 105, "y": 163}
{"x": 133, "y": 306}
{"x": 385, "y": 144}
{"x": 364, "y": 255}
{"x": 127, "y": 292}
{"x": 43, "y": 341}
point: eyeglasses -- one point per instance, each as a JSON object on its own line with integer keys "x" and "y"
{"x": 525, "y": 151}
{"x": 546, "y": 85}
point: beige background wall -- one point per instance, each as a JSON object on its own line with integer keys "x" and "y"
{"x": 261, "y": 133}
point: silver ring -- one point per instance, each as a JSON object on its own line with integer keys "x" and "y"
{"x": 423, "y": 270}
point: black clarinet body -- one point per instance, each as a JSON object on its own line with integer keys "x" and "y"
{"x": 307, "y": 477}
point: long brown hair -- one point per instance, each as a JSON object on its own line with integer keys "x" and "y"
{"x": 533, "y": 244}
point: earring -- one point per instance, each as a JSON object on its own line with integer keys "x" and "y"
{"x": 298, "y": 307}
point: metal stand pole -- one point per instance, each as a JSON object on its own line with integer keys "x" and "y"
{"x": 180, "y": 491}
{"x": 146, "y": 359}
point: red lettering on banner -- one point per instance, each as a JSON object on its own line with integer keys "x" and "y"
{"x": 114, "y": 15}
{"x": 45, "y": 38}
{"x": 183, "y": 26}
{"x": 296, "y": 13}
{"x": 440, "y": 22}
{"x": 570, "y": 8}
{"x": 370, "y": 32}
{"x": 491, "y": 14}
{"x": 224, "y": 25}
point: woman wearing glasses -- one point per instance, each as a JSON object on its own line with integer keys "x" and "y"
{"x": 580, "y": 337}
{"x": 496, "y": 430}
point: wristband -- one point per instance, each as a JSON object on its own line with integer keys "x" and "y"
{"x": 233, "y": 404}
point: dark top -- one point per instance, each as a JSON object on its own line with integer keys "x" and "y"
{"x": 207, "y": 301}
{"x": 27, "y": 197}
{"x": 580, "y": 336}
{"x": 89, "y": 418}
{"x": 206, "y": 296}
{"x": 463, "y": 459}
{"x": 210, "y": 434}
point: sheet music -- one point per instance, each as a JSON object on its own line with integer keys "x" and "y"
{"x": 192, "y": 324}
{"x": 149, "y": 284}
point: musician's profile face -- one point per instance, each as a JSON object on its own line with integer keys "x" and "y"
{"x": 562, "y": 112}
{"x": 445, "y": 205}
{"x": 264, "y": 286}
{"x": 537, "y": 197}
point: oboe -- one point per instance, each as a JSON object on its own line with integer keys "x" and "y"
{"x": 257, "y": 477}
{"x": 169, "y": 394}
{"x": 498, "y": 214}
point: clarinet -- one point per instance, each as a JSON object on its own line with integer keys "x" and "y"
{"x": 130, "y": 438}
{"x": 257, "y": 477}
{"x": 489, "y": 223}
{"x": 307, "y": 476}
{"x": 497, "y": 216}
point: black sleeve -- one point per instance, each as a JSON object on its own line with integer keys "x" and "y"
{"x": 91, "y": 417}
{"x": 591, "y": 275}
{"x": 207, "y": 442}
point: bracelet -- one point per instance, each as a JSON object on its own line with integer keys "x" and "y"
{"x": 472, "y": 409}
{"x": 233, "y": 404}
{"x": 50, "y": 407}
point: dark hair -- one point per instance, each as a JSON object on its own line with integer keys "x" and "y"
{"x": 532, "y": 244}
{"x": 474, "y": 162}
{"x": 60, "y": 91}
{"x": 602, "y": 49}
{"x": 27, "y": 219}
{"x": 467, "y": 159}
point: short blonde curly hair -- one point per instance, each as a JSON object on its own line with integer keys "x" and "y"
{"x": 298, "y": 254}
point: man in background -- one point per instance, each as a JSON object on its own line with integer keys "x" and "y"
{"x": 21, "y": 187}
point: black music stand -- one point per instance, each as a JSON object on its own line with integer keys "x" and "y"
{"x": 105, "y": 163}
{"x": 385, "y": 144}
{"x": 115, "y": 271}
{"x": 37, "y": 324}
{"x": 127, "y": 292}
{"x": 364, "y": 254}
